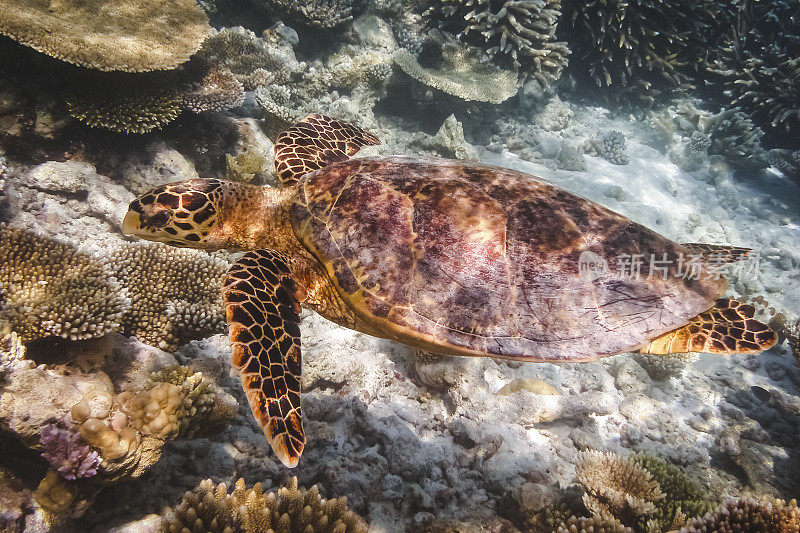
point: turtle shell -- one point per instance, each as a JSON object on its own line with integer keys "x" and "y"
{"x": 470, "y": 259}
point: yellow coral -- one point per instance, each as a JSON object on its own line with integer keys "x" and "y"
{"x": 293, "y": 510}
{"x": 616, "y": 485}
{"x": 55, "y": 493}
{"x": 175, "y": 293}
{"x": 134, "y": 36}
{"x": 128, "y": 110}
{"x": 50, "y": 288}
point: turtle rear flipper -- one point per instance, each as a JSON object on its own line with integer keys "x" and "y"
{"x": 719, "y": 253}
{"x": 261, "y": 304}
{"x": 727, "y": 328}
{"x": 315, "y": 142}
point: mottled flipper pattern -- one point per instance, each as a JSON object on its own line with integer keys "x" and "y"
{"x": 726, "y": 328}
{"x": 315, "y": 142}
{"x": 262, "y": 307}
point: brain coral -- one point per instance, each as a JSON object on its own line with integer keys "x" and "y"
{"x": 175, "y": 293}
{"x": 50, "y": 288}
{"x": 209, "y": 508}
{"x": 518, "y": 33}
{"x": 133, "y": 36}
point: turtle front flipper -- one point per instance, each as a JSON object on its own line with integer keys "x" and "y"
{"x": 262, "y": 308}
{"x": 315, "y": 142}
{"x": 727, "y": 328}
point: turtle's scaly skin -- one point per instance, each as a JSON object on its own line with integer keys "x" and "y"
{"x": 475, "y": 260}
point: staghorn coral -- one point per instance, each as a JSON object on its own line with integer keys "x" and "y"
{"x": 323, "y": 14}
{"x": 293, "y": 510}
{"x": 516, "y": 33}
{"x": 593, "y": 524}
{"x": 218, "y": 90}
{"x": 636, "y": 46}
{"x": 757, "y": 65}
{"x": 682, "y": 497}
{"x": 175, "y": 293}
{"x": 49, "y": 288}
{"x": 98, "y": 34}
{"x": 254, "y": 61}
{"x": 126, "y": 110}
{"x": 65, "y": 452}
{"x": 461, "y": 74}
{"x": 618, "y": 486}
{"x": 748, "y": 514}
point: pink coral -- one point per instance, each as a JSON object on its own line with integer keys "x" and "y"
{"x": 67, "y": 453}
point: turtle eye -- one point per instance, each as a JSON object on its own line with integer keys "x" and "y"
{"x": 159, "y": 219}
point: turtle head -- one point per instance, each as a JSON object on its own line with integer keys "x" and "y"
{"x": 185, "y": 213}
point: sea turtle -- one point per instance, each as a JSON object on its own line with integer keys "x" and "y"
{"x": 448, "y": 256}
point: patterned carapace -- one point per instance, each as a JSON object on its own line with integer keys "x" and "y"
{"x": 263, "y": 313}
{"x": 315, "y": 142}
{"x": 180, "y": 214}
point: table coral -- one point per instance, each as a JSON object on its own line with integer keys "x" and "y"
{"x": 460, "y": 74}
{"x": 136, "y": 36}
{"x": 293, "y": 510}
{"x": 50, "y": 288}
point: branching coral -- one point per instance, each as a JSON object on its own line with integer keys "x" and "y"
{"x": 734, "y": 136}
{"x": 517, "y": 33}
{"x": 49, "y": 288}
{"x": 636, "y": 45}
{"x": 460, "y": 73}
{"x": 592, "y": 524}
{"x": 293, "y": 510}
{"x": 787, "y": 161}
{"x": 254, "y": 61}
{"x": 175, "y": 293}
{"x": 128, "y": 110}
{"x": 612, "y": 148}
{"x": 136, "y": 36}
{"x": 67, "y": 454}
{"x": 757, "y": 65}
{"x": 617, "y": 486}
{"x": 317, "y": 13}
{"x": 218, "y": 90}
{"x": 682, "y": 497}
{"x": 753, "y": 516}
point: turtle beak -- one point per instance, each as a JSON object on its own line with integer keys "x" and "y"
{"x": 131, "y": 223}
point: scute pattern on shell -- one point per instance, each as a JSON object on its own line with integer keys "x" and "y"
{"x": 416, "y": 244}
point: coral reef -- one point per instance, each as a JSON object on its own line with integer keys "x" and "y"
{"x": 210, "y": 508}
{"x": 322, "y": 14}
{"x": 661, "y": 367}
{"x": 49, "y": 288}
{"x": 254, "y": 61}
{"x": 734, "y": 137}
{"x": 175, "y": 293}
{"x": 218, "y": 90}
{"x": 756, "y": 65}
{"x": 515, "y": 33}
{"x": 99, "y": 35}
{"x": 611, "y": 147}
{"x": 127, "y": 110}
{"x": 748, "y": 514}
{"x": 67, "y": 455}
{"x": 636, "y": 48}
{"x": 617, "y": 487}
{"x": 460, "y": 73}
